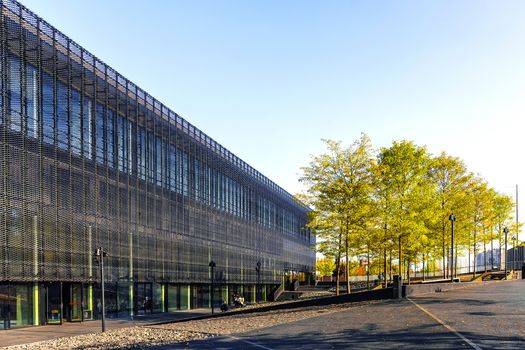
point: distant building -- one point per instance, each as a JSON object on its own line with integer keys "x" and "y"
{"x": 489, "y": 258}
{"x": 514, "y": 260}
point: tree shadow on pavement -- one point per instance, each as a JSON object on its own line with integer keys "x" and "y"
{"x": 464, "y": 301}
{"x": 363, "y": 337}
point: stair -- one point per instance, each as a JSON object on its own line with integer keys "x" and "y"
{"x": 289, "y": 295}
{"x": 309, "y": 291}
{"x": 500, "y": 275}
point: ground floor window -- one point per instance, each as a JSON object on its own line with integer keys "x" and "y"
{"x": 16, "y": 305}
{"x": 23, "y": 304}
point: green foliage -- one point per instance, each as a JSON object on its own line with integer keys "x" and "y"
{"x": 340, "y": 188}
{"x": 325, "y": 266}
{"x": 398, "y": 201}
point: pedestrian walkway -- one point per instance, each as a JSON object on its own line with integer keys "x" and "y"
{"x": 26, "y": 335}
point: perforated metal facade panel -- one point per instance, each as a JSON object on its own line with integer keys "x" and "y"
{"x": 88, "y": 159}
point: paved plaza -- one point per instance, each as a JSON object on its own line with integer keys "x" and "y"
{"x": 487, "y": 315}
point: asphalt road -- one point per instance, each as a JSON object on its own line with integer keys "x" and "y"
{"x": 488, "y": 317}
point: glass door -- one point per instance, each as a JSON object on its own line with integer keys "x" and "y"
{"x": 54, "y": 303}
{"x": 143, "y": 298}
{"x": 75, "y": 302}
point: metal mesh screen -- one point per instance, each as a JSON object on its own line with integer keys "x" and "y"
{"x": 88, "y": 159}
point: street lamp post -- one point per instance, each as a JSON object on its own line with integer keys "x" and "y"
{"x": 515, "y": 239}
{"x": 212, "y": 266}
{"x": 100, "y": 253}
{"x": 384, "y": 256}
{"x": 258, "y": 270}
{"x": 452, "y": 219}
{"x": 506, "y": 231}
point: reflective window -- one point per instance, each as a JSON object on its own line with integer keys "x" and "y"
{"x": 131, "y": 142}
{"x": 166, "y": 164}
{"x": 122, "y": 135}
{"x": 173, "y": 165}
{"x": 100, "y": 133}
{"x": 61, "y": 107}
{"x": 32, "y": 101}
{"x": 111, "y": 138}
{"x": 15, "y": 112}
{"x": 185, "y": 173}
{"x": 48, "y": 109}
{"x": 197, "y": 179}
{"x": 87, "y": 112}
{"x": 158, "y": 161}
{"x": 179, "y": 172}
{"x": 150, "y": 157}
{"x": 141, "y": 153}
{"x": 76, "y": 123}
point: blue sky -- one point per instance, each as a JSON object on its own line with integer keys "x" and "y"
{"x": 269, "y": 79}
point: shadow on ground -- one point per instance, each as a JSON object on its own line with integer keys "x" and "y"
{"x": 363, "y": 337}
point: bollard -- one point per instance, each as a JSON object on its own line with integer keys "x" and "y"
{"x": 398, "y": 287}
{"x": 523, "y": 271}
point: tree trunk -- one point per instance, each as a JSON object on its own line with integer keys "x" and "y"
{"x": 400, "y": 259}
{"x": 468, "y": 245}
{"x": 484, "y": 249}
{"x": 500, "y": 243}
{"x": 444, "y": 251}
{"x": 408, "y": 271}
{"x": 347, "y": 260}
{"x": 338, "y": 276}
{"x": 367, "y": 267}
{"x": 423, "y": 266}
{"x": 474, "y": 254}
{"x": 390, "y": 268}
{"x": 491, "y": 250}
{"x": 384, "y": 268}
{"x": 485, "y": 254}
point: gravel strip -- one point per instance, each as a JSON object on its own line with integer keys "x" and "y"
{"x": 316, "y": 294}
{"x": 123, "y": 338}
{"x": 247, "y": 322}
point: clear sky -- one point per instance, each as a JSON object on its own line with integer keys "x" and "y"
{"x": 269, "y": 79}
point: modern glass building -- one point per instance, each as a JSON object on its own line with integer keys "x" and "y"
{"x": 88, "y": 160}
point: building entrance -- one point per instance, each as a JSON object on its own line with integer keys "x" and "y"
{"x": 143, "y": 298}
{"x": 66, "y": 302}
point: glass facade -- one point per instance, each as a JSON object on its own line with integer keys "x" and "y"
{"x": 88, "y": 159}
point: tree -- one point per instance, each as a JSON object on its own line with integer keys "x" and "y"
{"x": 451, "y": 180}
{"x": 399, "y": 200}
{"x": 339, "y": 185}
{"x": 503, "y": 210}
{"x": 321, "y": 180}
{"x": 403, "y": 172}
{"x": 480, "y": 212}
{"x": 325, "y": 266}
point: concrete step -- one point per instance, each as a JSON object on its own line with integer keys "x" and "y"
{"x": 289, "y": 295}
